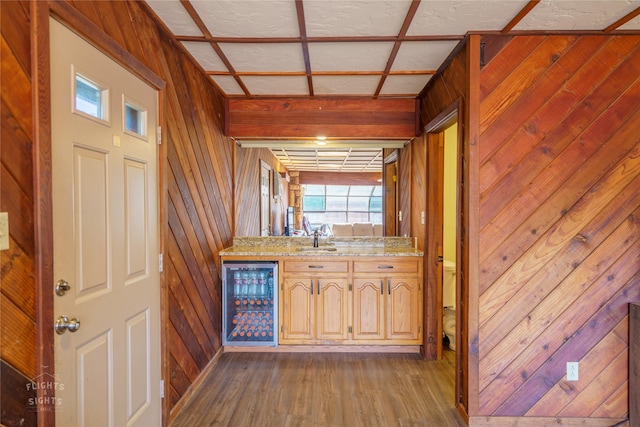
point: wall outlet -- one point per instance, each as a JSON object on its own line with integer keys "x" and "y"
{"x": 572, "y": 371}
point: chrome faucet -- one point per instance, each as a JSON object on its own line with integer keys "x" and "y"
{"x": 315, "y": 239}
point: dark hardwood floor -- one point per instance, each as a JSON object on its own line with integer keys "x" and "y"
{"x": 324, "y": 389}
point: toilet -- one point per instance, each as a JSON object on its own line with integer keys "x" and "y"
{"x": 449, "y": 302}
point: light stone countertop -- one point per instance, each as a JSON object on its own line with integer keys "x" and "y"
{"x": 328, "y": 246}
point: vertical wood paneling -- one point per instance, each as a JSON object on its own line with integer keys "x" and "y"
{"x": 404, "y": 190}
{"x": 559, "y": 209}
{"x": 247, "y": 197}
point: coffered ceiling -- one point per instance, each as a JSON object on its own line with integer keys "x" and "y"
{"x": 371, "y": 49}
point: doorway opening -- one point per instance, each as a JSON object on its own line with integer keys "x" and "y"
{"x": 449, "y": 233}
{"x": 444, "y": 232}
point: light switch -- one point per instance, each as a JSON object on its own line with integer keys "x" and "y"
{"x": 4, "y": 231}
{"x": 116, "y": 140}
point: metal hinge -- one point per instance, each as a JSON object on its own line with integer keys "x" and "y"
{"x": 159, "y": 135}
{"x": 419, "y": 329}
{"x": 440, "y": 258}
{"x": 161, "y": 389}
{"x": 160, "y": 263}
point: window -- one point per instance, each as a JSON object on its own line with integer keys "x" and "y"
{"x": 330, "y": 204}
{"x": 90, "y": 99}
{"x": 134, "y": 118}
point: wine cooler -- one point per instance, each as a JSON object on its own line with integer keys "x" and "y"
{"x": 249, "y": 309}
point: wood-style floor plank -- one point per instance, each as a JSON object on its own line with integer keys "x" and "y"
{"x": 324, "y": 389}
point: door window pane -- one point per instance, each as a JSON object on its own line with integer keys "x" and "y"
{"x": 135, "y": 120}
{"x": 90, "y": 98}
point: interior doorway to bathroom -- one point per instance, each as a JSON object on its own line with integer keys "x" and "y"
{"x": 443, "y": 249}
{"x": 449, "y": 233}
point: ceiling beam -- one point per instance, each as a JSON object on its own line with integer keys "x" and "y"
{"x": 361, "y": 118}
{"x": 525, "y": 10}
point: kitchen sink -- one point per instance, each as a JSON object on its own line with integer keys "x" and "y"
{"x": 320, "y": 249}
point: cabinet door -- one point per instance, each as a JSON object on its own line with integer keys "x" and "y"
{"x": 332, "y": 309}
{"x": 298, "y": 309}
{"x": 404, "y": 296}
{"x": 368, "y": 309}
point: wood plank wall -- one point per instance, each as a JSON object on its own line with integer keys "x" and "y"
{"x": 404, "y": 190}
{"x": 17, "y": 283}
{"x": 559, "y": 224}
{"x": 200, "y": 215}
{"x": 247, "y": 197}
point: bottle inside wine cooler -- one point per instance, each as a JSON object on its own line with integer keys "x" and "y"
{"x": 253, "y": 283}
{"x": 237, "y": 283}
{"x": 262, "y": 283}
{"x": 244, "y": 291}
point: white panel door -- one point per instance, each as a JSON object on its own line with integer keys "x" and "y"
{"x": 105, "y": 212}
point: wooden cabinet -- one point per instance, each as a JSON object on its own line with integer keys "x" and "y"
{"x": 314, "y": 302}
{"x": 387, "y": 301}
{"x": 383, "y": 307}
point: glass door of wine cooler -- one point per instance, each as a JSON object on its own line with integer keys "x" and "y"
{"x": 249, "y": 306}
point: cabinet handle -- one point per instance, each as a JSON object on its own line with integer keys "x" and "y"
{"x": 389, "y": 285}
{"x": 316, "y": 266}
{"x": 385, "y": 266}
{"x": 311, "y": 280}
{"x": 318, "y": 286}
{"x": 381, "y": 287}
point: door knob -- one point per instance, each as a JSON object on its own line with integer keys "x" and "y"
{"x": 63, "y": 324}
{"x": 62, "y": 286}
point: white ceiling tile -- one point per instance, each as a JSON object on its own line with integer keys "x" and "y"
{"x": 205, "y": 55}
{"x": 345, "y": 85}
{"x": 422, "y": 55}
{"x": 265, "y": 57}
{"x": 249, "y": 18}
{"x": 408, "y": 85}
{"x": 576, "y": 14}
{"x": 228, "y": 85}
{"x": 355, "y": 56}
{"x": 175, "y": 17}
{"x": 354, "y": 18}
{"x": 276, "y": 85}
{"x": 449, "y": 17}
